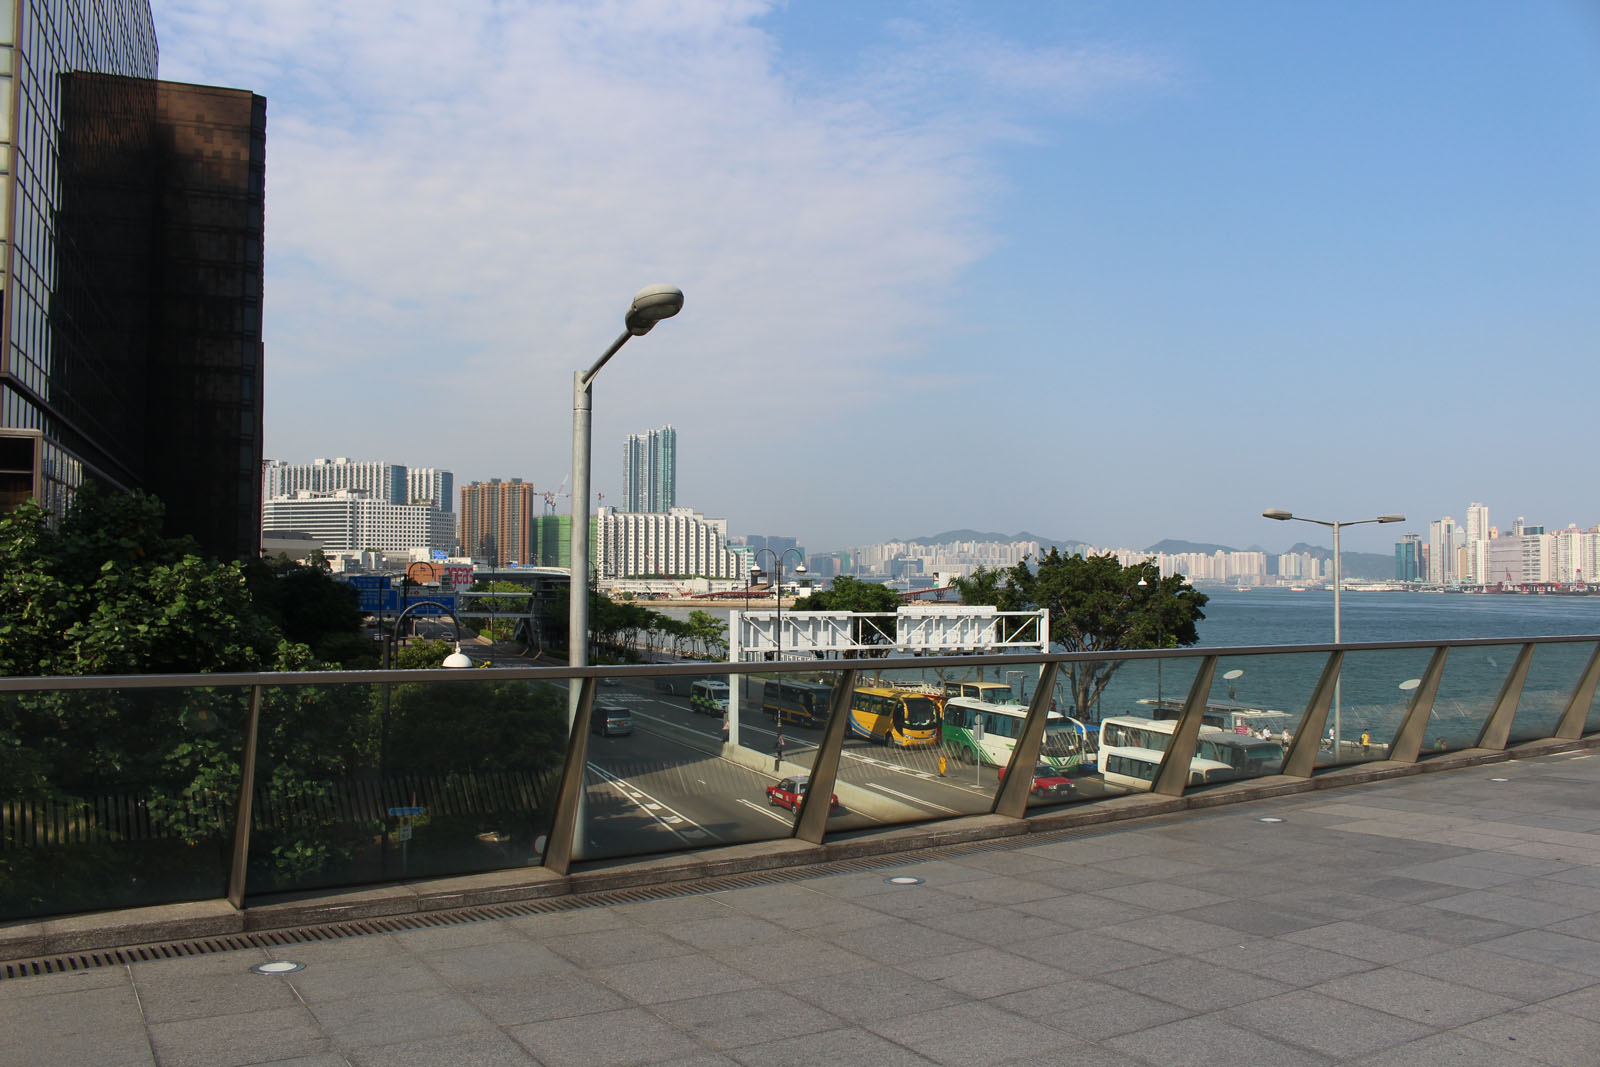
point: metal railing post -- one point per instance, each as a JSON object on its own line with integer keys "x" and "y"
{"x": 243, "y": 812}
{"x": 1012, "y": 798}
{"x": 1173, "y": 777}
{"x": 569, "y": 795}
{"x": 1576, "y": 715}
{"x": 1407, "y": 744}
{"x": 811, "y": 822}
{"x": 1497, "y": 727}
{"x": 1301, "y": 759}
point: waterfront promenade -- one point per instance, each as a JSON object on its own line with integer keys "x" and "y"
{"x": 1449, "y": 917}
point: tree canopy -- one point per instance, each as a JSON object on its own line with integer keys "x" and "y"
{"x": 1096, "y": 605}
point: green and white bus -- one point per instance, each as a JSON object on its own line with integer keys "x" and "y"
{"x": 976, "y": 731}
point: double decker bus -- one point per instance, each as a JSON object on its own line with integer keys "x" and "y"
{"x": 796, "y": 703}
{"x": 895, "y": 716}
{"x": 978, "y": 731}
{"x": 1131, "y": 750}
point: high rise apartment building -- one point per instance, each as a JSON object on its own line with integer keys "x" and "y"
{"x": 650, "y": 471}
{"x": 497, "y": 521}
{"x": 1409, "y": 565}
{"x": 431, "y": 487}
{"x": 678, "y": 543}
{"x": 1441, "y": 552}
{"x": 347, "y": 520}
{"x": 131, "y": 243}
{"x": 380, "y": 481}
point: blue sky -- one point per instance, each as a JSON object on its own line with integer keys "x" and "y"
{"x": 1102, "y": 271}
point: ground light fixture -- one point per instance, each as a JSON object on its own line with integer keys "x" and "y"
{"x": 1335, "y": 525}
{"x": 649, "y": 306}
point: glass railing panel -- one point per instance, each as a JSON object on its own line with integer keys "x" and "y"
{"x": 1468, "y": 690}
{"x": 1553, "y": 676}
{"x": 1128, "y": 711}
{"x": 1375, "y": 689}
{"x": 117, "y": 798}
{"x": 1592, "y": 723}
{"x": 676, "y": 781}
{"x": 1255, "y": 710}
{"x": 375, "y": 782}
{"x": 913, "y": 751}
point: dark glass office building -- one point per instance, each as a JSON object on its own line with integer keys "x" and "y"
{"x": 130, "y": 329}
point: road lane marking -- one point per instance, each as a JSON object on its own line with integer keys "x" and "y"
{"x": 634, "y": 793}
{"x": 769, "y": 811}
{"x": 911, "y": 799}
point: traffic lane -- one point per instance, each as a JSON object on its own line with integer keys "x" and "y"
{"x": 647, "y": 793}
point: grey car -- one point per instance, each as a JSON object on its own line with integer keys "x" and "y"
{"x": 610, "y": 721}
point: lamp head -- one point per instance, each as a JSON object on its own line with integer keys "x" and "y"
{"x": 1277, "y": 513}
{"x": 1391, "y": 518}
{"x": 457, "y": 658}
{"x": 650, "y": 305}
{"x": 799, "y": 568}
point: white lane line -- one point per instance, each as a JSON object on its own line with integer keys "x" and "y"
{"x": 769, "y": 811}
{"x": 911, "y": 799}
{"x": 667, "y": 822}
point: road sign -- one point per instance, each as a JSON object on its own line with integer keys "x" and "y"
{"x": 402, "y": 834}
{"x": 407, "y": 811}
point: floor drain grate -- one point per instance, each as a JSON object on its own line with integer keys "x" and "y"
{"x": 65, "y": 963}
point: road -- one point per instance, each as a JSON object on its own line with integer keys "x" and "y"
{"x": 665, "y": 786}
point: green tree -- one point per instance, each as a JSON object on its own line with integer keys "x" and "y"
{"x": 313, "y": 608}
{"x": 1096, "y": 605}
{"x": 709, "y": 632}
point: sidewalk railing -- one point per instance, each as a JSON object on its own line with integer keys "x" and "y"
{"x": 124, "y": 791}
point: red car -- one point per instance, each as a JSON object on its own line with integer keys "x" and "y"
{"x": 1047, "y": 781}
{"x": 788, "y": 793}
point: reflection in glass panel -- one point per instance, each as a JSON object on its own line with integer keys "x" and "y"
{"x": 1375, "y": 689}
{"x": 904, "y": 760}
{"x": 1131, "y": 708}
{"x": 685, "y": 762}
{"x": 117, "y": 798}
{"x": 1473, "y": 678}
{"x": 1255, "y": 710}
{"x": 364, "y": 783}
{"x": 1553, "y": 677}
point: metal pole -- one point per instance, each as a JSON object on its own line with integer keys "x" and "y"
{"x": 1338, "y": 720}
{"x": 578, "y": 597}
{"x": 578, "y": 586}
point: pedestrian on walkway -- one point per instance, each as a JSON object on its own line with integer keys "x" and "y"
{"x": 1366, "y": 742}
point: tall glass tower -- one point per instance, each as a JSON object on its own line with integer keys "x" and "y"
{"x": 650, "y": 471}
{"x": 131, "y": 240}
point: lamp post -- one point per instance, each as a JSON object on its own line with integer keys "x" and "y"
{"x": 777, "y": 588}
{"x": 650, "y": 305}
{"x": 1161, "y": 636}
{"x": 455, "y": 659}
{"x": 1335, "y": 525}
{"x": 406, "y": 582}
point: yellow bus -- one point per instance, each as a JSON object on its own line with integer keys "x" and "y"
{"x": 895, "y": 716}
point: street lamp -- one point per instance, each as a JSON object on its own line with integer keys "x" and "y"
{"x": 406, "y": 582}
{"x": 777, "y": 626}
{"x": 650, "y": 305}
{"x": 777, "y": 588}
{"x": 455, "y": 659}
{"x": 1161, "y": 636}
{"x": 1284, "y": 516}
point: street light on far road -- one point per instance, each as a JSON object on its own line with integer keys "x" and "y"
{"x": 1284, "y": 516}
{"x": 650, "y": 305}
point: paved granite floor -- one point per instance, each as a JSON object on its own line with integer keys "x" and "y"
{"x": 1446, "y": 918}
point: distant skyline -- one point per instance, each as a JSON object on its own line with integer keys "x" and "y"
{"x": 1100, "y": 272}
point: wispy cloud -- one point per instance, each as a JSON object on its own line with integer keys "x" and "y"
{"x": 462, "y": 197}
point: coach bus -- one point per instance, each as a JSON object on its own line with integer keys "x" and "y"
{"x": 978, "y": 731}
{"x": 1131, "y": 750}
{"x": 796, "y": 703}
{"x": 897, "y": 717}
